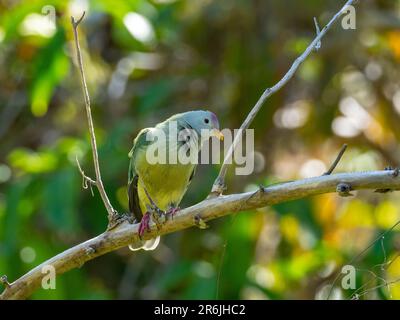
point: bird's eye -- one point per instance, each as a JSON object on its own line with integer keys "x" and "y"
{"x": 206, "y": 120}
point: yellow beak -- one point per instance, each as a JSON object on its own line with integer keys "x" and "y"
{"x": 218, "y": 134}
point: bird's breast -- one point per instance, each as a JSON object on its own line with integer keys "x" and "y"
{"x": 165, "y": 183}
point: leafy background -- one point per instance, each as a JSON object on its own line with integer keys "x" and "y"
{"x": 146, "y": 60}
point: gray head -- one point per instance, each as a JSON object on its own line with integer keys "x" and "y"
{"x": 200, "y": 120}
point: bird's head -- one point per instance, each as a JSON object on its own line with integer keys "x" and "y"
{"x": 203, "y": 122}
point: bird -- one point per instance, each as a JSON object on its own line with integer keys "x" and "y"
{"x": 156, "y": 188}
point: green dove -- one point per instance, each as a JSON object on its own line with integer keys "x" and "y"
{"x": 160, "y": 168}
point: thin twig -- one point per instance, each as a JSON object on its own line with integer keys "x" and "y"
{"x": 335, "y": 163}
{"x": 374, "y": 276}
{"x": 219, "y": 183}
{"x": 359, "y": 255}
{"x": 386, "y": 284}
{"x": 87, "y": 182}
{"x": 126, "y": 233}
{"x": 317, "y": 30}
{"x": 386, "y": 265}
{"x": 99, "y": 183}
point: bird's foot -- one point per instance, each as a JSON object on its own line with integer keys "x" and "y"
{"x": 118, "y": 219}
{"x": 157, "y": 215}
{"x": 171, "y": 212}
{"x": 144, "y": 224}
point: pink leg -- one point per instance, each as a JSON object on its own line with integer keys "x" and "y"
{"x": 144, "y": 224}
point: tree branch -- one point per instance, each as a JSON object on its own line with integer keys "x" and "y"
{"x": 98, "y": 182}
{"x": 207, "y": 210}
{"x": 336, "y": 162}
{"x": 219, "y": 183}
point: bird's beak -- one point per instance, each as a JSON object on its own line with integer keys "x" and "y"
{"x": 218, "y": 134}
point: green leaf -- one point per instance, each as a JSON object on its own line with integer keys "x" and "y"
{"x": 33, "y": 162}
{"x": 51, "y": 66}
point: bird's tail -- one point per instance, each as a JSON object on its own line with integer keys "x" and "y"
{"x": 146, "y": 245}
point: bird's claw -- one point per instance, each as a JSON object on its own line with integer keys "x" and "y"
{"x": 171, "y": 212}
{"x": 155, "y": 214}
{"x": 118, "y": 219}
{"x": 144, "y": 224}
{"x": 159, "y": 212}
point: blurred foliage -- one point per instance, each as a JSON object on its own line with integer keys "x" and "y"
{"x": 148, "y": 59}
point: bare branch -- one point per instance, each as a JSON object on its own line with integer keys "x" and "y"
{"x": 335, "y": 163}
{"x": 126, "y": 234}
{"x": 219, "y": 184}
{"x": 99, "y": 183}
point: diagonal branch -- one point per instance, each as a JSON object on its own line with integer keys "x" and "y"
{"x": 98, "y": 182}
{"x": 219, "y": 183}
{"x": 337, "y": 159}
{"x": 126, "y": 234}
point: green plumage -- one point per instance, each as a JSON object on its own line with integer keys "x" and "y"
{"x": 165, "y": 183}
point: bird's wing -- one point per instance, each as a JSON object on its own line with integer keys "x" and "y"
{"x": 133, "y": 177}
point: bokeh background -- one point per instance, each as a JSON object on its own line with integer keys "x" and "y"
{"x": 146, "y": 60}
